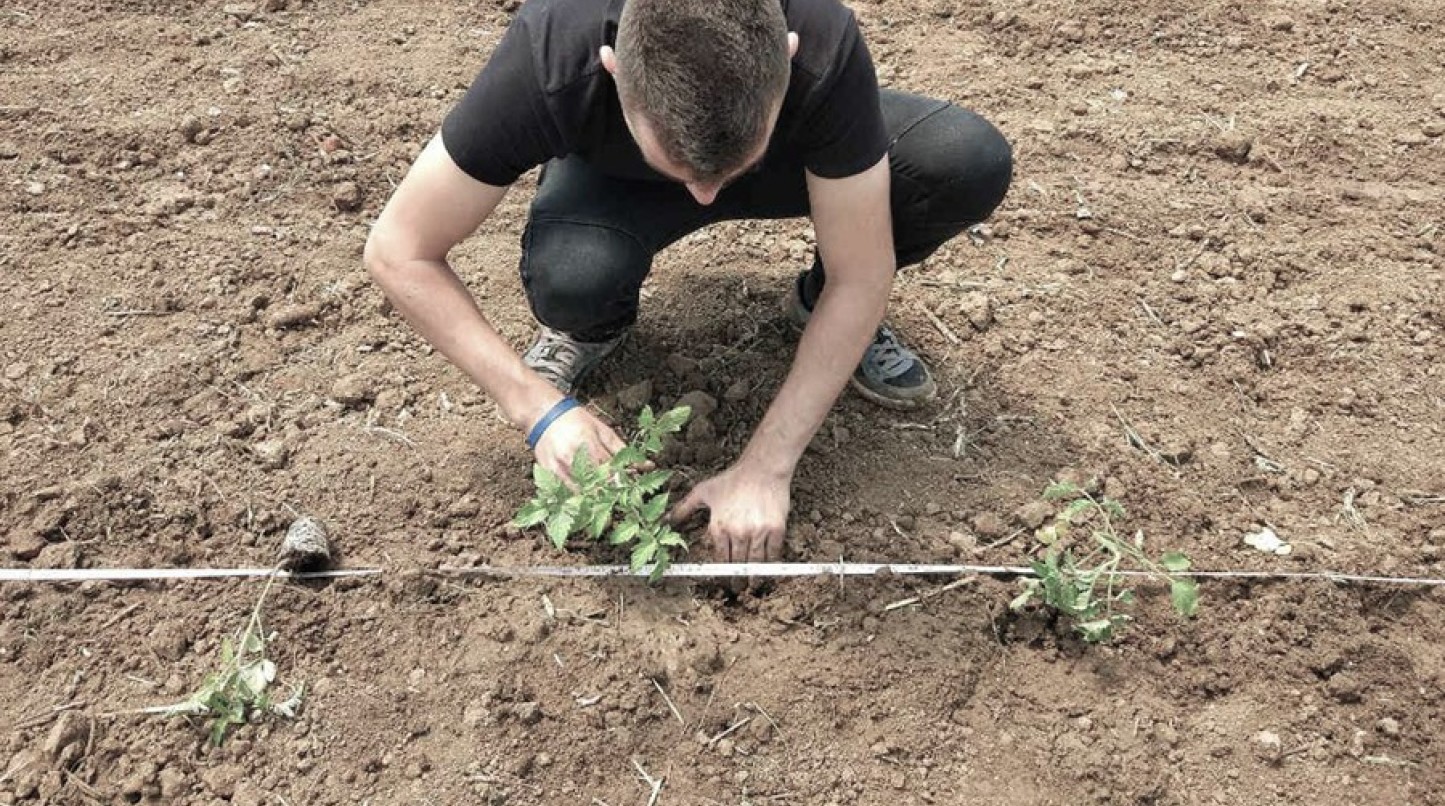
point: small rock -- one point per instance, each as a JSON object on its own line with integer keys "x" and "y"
{"x": 35, "y": 188}
{"x": 293, "y": 315}
{"x": 241, "y": 11}
{"x": 273, "y": 453}
{"x": 738, "y": 391}
{"x": 25, "y": 544}
{"x": 989, "y": 526}
{"x": 353, "y": 390}
{"x": 1232, "y": 146}
{"x": 70, "y": 729}
{"x": 680, "y": 364}
{"x": 347, "y": 197}
{"x": 978, "y": 308}
{"x": 1268, "y": 746}
{"x": 270, "y": 6}
{"x": 1388, "y": 726}
{"x": 16, "y": 371}
{"x": 1345, "y": 687}
{"x": 634, "y": 397}
{"x": 1034, "y": 514}
{"x": 962, "y": 542}
{"x": 248, "y": 794}
{"x": 222, "y": 779}
{"x": 173, "y": 783}
{"x": 191, "y": 129}
{"x": 1280, "y": 22}
{"x": 700, "y": 430}
{"x": 701, "y": 403}
{"x": 528, "y": 713}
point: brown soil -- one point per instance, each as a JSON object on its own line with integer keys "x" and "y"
{"x": 1225, "y": 231}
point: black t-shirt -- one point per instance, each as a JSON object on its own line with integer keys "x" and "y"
{"x": 545, "y": 94}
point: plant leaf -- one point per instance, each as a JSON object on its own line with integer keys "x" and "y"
{"x": 643, "y": 554}
{"x": 1185, "y": 595}
{"x": 627, "y": 457}
{"x": 645, "y": 418}
{"x": 664, "y": 559}
{"x": 582, "y": 467}
{"x": 1175, "y": 562}
{"x": 652, "y": 482}
{"x": 624, "y": 532}
{"x": 532, "y": 513}
{"x": 671, "y": 538}
{"x": 1061, "y": 490}
{"x": 654, "y": 508}
{"x": 601, "y": 517}
{"x": 561, "y": 522}
{"x": 547, "y": 482}
{"x": 1096, "y": 631}
{"x": 673, "y": 420}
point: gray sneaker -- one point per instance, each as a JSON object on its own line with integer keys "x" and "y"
{"x": 890, "y": 374}
{"x": 565, "y": 361}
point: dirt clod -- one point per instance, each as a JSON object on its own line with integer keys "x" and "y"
{"x": 288, "y": 316}
{"x": 702, "y": 403}
{"x": 989, "y": 526}
{"x": 1033, "y": 514}
{"x": 347, "y": 197}
{"x": 1233, "y": 146}
{"x": 355, "y": 390}
{"x": 634, "y": 397}
{"x": 25, "y": 544}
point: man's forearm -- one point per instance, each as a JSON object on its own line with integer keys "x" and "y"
{"x": 441, "y": 309}
{"x": 843, "y": 322}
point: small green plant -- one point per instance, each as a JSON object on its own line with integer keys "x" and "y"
{"x": 1078, "y": 574}
{"x": 236, "y": 693}
{"x": 613, "y": 496}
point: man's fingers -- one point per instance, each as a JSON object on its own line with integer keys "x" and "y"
{"x": 776, "y": 540}
{"x": 758, "y": 547}
{"x": 686, "y": 507}
{"x": 612, "y": 442}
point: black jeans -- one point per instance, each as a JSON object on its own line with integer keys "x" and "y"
{"x": 590, "y": 238}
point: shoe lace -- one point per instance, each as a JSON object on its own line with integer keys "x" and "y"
{"x": 889, "y": 356}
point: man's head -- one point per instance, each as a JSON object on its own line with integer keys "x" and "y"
{"x": 701, "y": 83}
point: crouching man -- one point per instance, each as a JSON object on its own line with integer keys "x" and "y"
{"x": 652, "y": 119}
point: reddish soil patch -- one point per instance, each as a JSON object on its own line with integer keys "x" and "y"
{"x": 1225, "y": 231}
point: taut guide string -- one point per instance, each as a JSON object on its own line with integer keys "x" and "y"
{"x": 677, "y": 570}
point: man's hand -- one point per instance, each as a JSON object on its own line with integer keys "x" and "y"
{"x": 747, "y": 514}
{"x": 578, "y": 429}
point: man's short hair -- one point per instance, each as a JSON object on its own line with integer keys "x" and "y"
{"x": 705, "y": 73}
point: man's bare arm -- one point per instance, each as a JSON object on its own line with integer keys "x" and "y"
{"x": 749, "y": 501}
{"x": 434, "y": 208}
{"x": 855, "y": 238}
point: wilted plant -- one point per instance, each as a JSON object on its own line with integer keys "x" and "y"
{"x": 237, "y": 692}
{"x": 1078, "y": 574}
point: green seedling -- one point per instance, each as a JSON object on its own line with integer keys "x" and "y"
{"x": 1078, "y": 574}
{"x": 236, "y": 693}
{"x": 611, "y": 499}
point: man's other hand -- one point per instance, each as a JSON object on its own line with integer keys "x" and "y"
{"x": 747, "y": 514}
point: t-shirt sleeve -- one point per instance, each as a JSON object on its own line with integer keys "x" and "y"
{"x": 502, "y": 127}
{"x": 846, "y": 135}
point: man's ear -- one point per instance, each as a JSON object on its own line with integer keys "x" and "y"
{"x": 792, "y": 44}
{"x": 609, "y": 59}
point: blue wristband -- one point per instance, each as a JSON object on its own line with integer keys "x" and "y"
{"x": 562, "y": 406}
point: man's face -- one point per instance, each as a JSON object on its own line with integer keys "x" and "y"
{"x": 705, "y": 191}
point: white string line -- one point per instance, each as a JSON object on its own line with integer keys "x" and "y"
{"x": 689, "y": 570}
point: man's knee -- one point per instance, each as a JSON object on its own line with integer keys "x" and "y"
{"x": 581, "y": 278}
{"x": 962, "y": 163}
